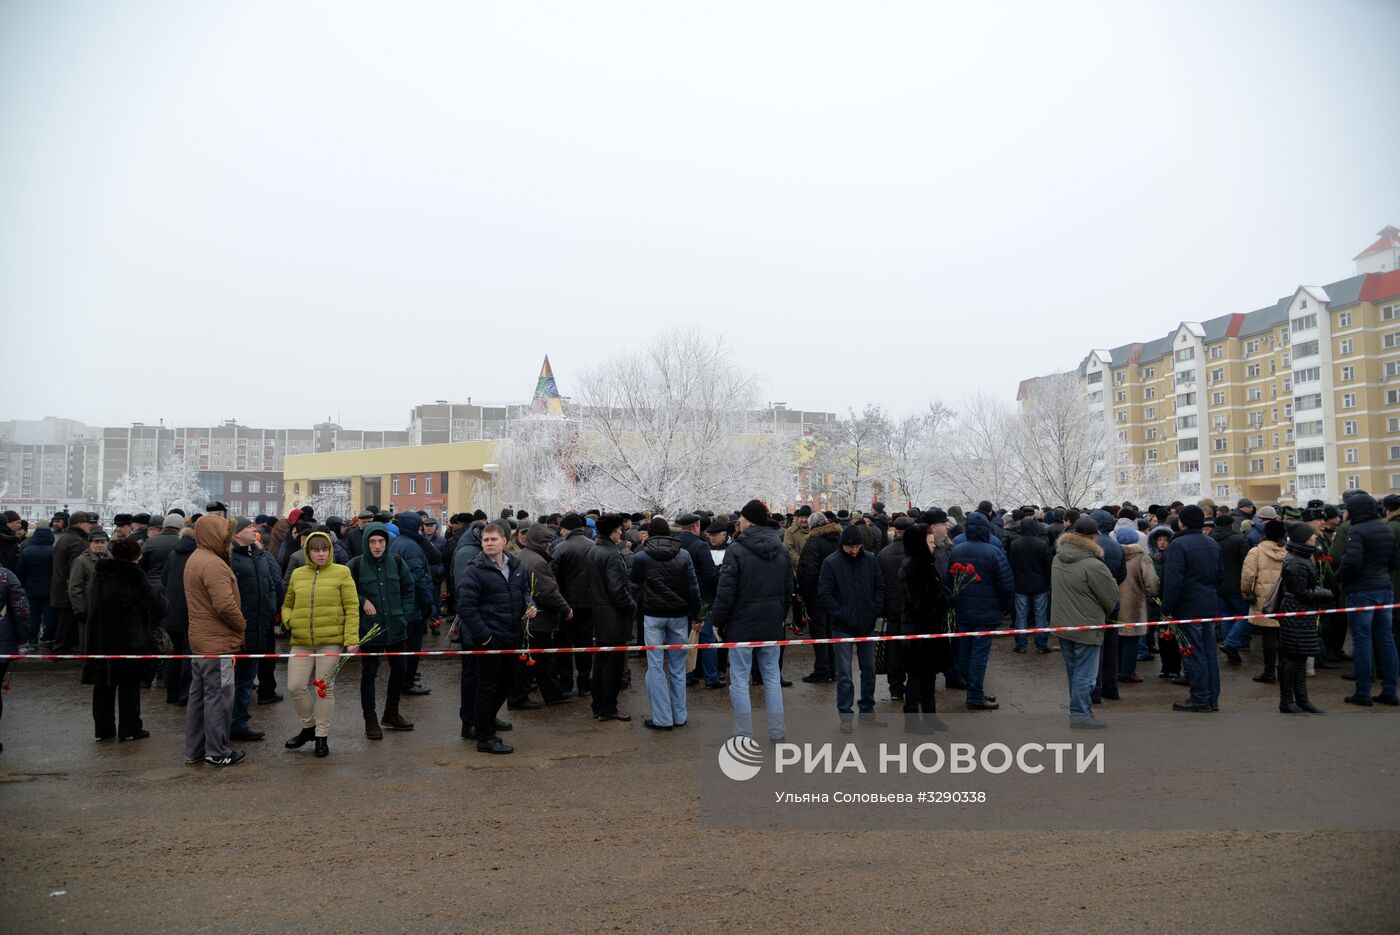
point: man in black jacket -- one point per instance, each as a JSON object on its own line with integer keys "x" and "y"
{"x": 668, "y": 595}
{"x": 824, "y": 539}
{"x": 851, "y": 590}
{"x": 891, "y": 557}
{"x": 1029, "y": 555}
{"x": 260, "y": 593}
{"x": 613, "y": 609}
{"x": 492, "y": 601}
{"x": 707, "y": 577}
{"x": 155, "y": 551}
{"x": 1368, "y": 565}
{"x": 569, "y": 559}
{"x": 1233, "y": 548}
{"x": 751, "y": 604}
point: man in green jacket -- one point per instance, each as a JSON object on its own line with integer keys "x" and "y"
{"x": 386, "y": 591}
{"x": 1085, "y": 594}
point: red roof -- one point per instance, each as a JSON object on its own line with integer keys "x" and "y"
{"x": 1390, "y": 238}
{"x": 1380, "y": 286}
{"x": 1235, "y": 326}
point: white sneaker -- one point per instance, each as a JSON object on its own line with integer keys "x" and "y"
{"x": 1311, "y": 670}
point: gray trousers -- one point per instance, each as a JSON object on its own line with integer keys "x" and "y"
{"x": 210, "y": 711}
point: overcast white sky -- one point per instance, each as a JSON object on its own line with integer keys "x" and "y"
{"x": 283, "y": 211}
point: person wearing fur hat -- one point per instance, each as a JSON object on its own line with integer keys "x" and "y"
{"x": 1190, "y": 576}
{"x": 122, "y": 608}
{"x": 1085, "y": 593}
{"x": 1298, "y": 637}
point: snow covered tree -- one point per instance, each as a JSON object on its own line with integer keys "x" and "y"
{"x": 537, "y": 459}
{"x": 332, "y": 498}
{"x": 977, "y": 457}
{"x": 1063, "y": 449}
{"x": 158, "y": 490}
{"x": 670, "y": 427}
{"x": 909, "y": 452}
{"x": 850, "y": 457}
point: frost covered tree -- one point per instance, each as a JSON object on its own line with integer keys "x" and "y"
{"x": 332, "y": 498}
{"x": 158, "y": 490}
{"x": 977, "y": 458}
{"x": 1062, "y": 447}
{"x": 851, "y": 456}
{"x": 671, "y": 427}
{"x": 910, "y": 452}
{"x": 537, "y": 459}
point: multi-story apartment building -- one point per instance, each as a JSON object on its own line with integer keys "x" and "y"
{"x": 1294, "y": 401}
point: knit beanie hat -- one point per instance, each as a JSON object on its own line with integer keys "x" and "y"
{"x": 1300, "y": 533}
{"x": 851, "y": 536}
{"x": 1274, "y": 530}
{"x": 1193, "y": 517}
{"x": 1126, "y": 535}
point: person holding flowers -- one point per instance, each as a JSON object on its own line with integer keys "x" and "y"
{"x": 983, "y": 593}
{"x": 385, "y": 587}
{"x": 322, "y": 611}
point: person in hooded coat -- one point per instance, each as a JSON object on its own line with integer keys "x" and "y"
{"x": 419, "y": 555}
{"x": 981, "y": 604}
{"x": 924, "y": 609}
{"x": 123, "y": 609}
{"x": 35, "y": 573}
{"x": 1085, "y": 593}
{"x": 321, "y": 610}
{"x": 386, "y": 591}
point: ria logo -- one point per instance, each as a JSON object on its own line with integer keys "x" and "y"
{"x": 740, "y": 758}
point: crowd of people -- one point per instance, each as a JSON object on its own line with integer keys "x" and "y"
{"x": 376, "y": 585}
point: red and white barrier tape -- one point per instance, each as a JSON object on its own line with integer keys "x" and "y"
{"x": 751, "y": 644}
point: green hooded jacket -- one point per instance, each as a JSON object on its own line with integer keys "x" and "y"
{"x": 387, "y": 584}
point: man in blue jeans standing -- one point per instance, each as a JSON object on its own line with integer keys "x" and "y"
{"x": 851, "y": 589}
{"x": 1029, "y": 557}
{"x": 984, "y": 598}
{"x": 751, "y": 605}
{"x": 1366, "y": 575}
{"x": 1085, "y": 593}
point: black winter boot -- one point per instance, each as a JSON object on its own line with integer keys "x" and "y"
{"x": 1286, "y": 687}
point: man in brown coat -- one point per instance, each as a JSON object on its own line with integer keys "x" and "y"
{"x": 216, "y": 626}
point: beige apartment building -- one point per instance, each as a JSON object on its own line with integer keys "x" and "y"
{"x": 1295, "y": 401}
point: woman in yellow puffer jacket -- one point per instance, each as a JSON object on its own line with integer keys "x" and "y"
{"x": 322, "y": 611}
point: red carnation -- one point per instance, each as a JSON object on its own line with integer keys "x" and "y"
{"x": 320, "y": 687}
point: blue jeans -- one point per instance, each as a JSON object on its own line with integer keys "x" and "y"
{"x": 741, "y": 662}
{"x": 709, "y": 658}
{"x": 1081, "y": 667}
{"x": 845, "y": 690}
{"x": 972, "y": 658}
{"x": 1026, "y": 605}
{"x": 1203, "y": 665}
{"x": 1372, "y": 638}
{"x": 666, "y": 677}
{"x": 1233, "y": 605}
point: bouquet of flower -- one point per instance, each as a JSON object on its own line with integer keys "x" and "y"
{"x": 525, "y": 656}
{"x": 695, "y": 626}
{"x": 323, "y": 684}
{"x": 1172, "y": 632}
{"x": 963, "y": 575}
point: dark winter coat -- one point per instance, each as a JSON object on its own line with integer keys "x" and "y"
{"x": 260, "y": 594}
{"x": 1371, "y": 554}
{"x": 983, "y": 602}
{"x": 570, "y": 562}
{"x": 70, "y": 545}
{"x": 155, "y": 552}
{"x": 1112, "y": 551}
{"x": 411, "y": 547}
{"x": 387, "y": 583}
{"x": 534, "y": 561}
{"x": 490, "y": 604}
{"x": 891, "y": 558}
{"x": 706, "y": 571}
{"x": 755, "y": 586}
{"x": 177, "y": 616}
{"x": 613, "y": 607}
{"x": 1190, "y": 576}
{"x": 926, "y": 601}
{"x": 664, "y": 576}
{"x": 852, "y": 591}
{"x": 36, "y": 565}
{"x": 1233, "y": 549}
{"x": 1302, "y": 590}
{"x": 123, "y": 610}
{"x": 15, "y": 627}
{"x": 9, "y": 549}
{"x": 822, "y": 542}
{"x": 1029, "y": 556}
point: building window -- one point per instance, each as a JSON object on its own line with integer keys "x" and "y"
{"x": 1186, "y": 422}
{"x": 1222, "y": 490}
{"x": 1251, "y": 347}
{"x": 1152, "y": 454}
{"x": 1348, "y": 400}
{"x": 1096, "y": 377}
{"x": 1217, "y": 398}
{"x": 1348, "y": 374}
{"x": 1390, "y": 313}
{"x": 1353, "y": 482}
{"x": 428, "y": 483}
{"x": 235, "y": 486}
{"x": 1392, "y": 425}
{"x": 1395, "y": 452}
{"x": 1252, "y": 370}
{"x": 1149, "y": 393}
{"x": 1304, "y": 322}
{"x": 1185, "y": 377}
{"x": 1351, "y": 455}
{"x": 1188, "y": 444}
{"x": 1119, "y": 376}
{"x": 1255, "y": 393}
{"x": 1152, "y": 435}
{"x": 1391, "y": 340}
{"x": 1311, "y": 401}
{"x": 1185, "y": 353}
{"x": 1392, "y": 397}
{"x": 1149, "y": 372}
{"x": 1189, "y": 467}
{"x": 1307, "y": 375}
{"x": 255, "y": 486}
{"x": 413, "y": 483}
{"x": 1150, "y": 413}
{"x": 1216, "y": 351}
{"x": 1311, "y": 455}
{"x": 1344, "y": 319}
{"x": 1306, "y": 349}
{"x": 1121, "y": 396}
{"x": 396, "y": 486}
{"x": 270, "y": 487}
{"x": 1344, "y": 347}
{"x": 1120, "y": 416}
{"x": 1217, "y": 375}
{"x": 1392, "y": 368}
{"x": 236, "y": 507}
{"x": 1222, "y": 468}
{"x": 1256, "y": 465}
